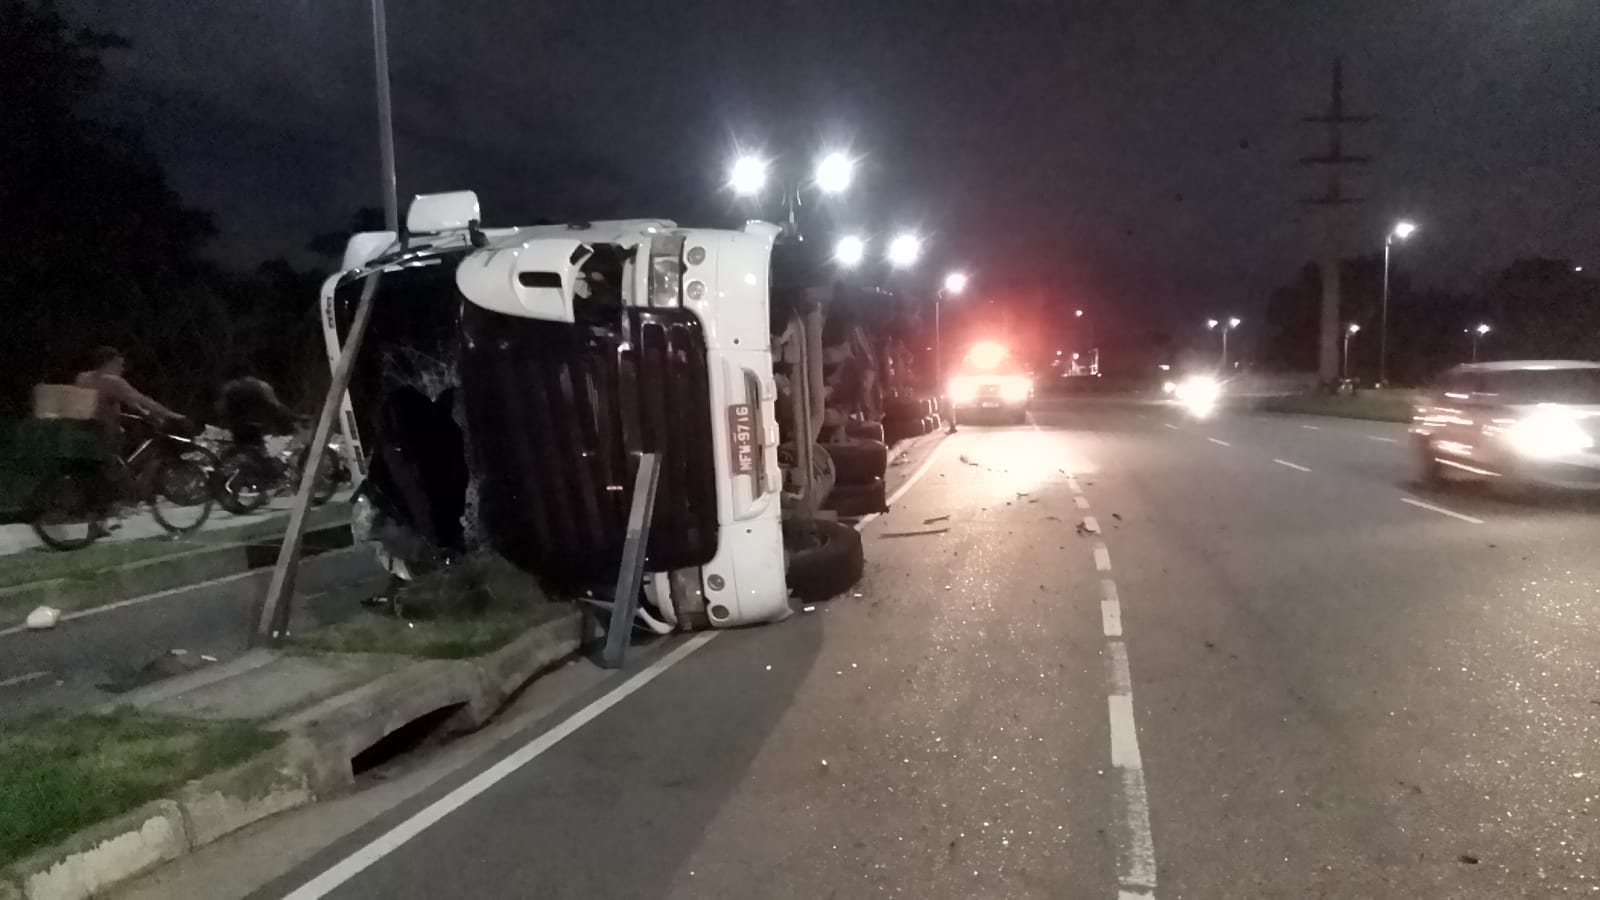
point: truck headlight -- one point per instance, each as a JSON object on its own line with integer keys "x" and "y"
{"x": 1546, "y": 435}
{"x": 963, "y": 389}
{"x": 1016, "y": 389}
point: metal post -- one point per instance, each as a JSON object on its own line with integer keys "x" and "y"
{"x": 1224, "y": 347}
{"x": 1383, "y": 322}
{"x": 1474, "y": 333}
{"x": 380, "y": 58}
{"x": 630, "y": 573}
{"x": 276, "y": 607}
{"x": 938, "y": 348}
{"x": 1344, "y": 367}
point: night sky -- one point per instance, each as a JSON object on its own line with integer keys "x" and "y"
{"x": 1136, "y": 153}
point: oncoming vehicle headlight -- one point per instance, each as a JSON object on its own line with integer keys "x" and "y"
{"x": 1548, "y": 434}
{"x": 963, "y": 389}
{"x": 1199, "y": 394}
{"x": 1016, "y": 388}
{"x": 1168, "y": 387}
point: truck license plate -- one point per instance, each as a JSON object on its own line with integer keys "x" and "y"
{"x": 742, "y": 438}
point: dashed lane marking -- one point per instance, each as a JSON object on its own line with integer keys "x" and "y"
{"x": 1295, "y": 466}
{"x": 1382, "y": 439}
{"x": 1080, "y": 501}
{"x": 1441, "y": 510}
{"x": 1219, "y": 443}
{"x": 1102, "y": 558}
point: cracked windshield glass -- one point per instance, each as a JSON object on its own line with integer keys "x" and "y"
{"x": 1028, "y": 449}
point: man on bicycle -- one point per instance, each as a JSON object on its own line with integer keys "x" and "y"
{"x": 114, "y": 395}
{"x": 249, "y": 408}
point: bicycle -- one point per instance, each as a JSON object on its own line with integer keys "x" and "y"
{"x": 248, "y": 476}
{"x": 162, "y": 468}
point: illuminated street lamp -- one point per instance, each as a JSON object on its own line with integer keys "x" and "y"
{"x": 834, "y": 173}
{"x": 1231, "y": 324}
{"x": 904, "y": 250}
{"x": 1349, "y": 332}
{"x": 1402, "y": 229}
{"x": 849, "y": 251}
{"x": 955, "y": 284}
{"x": 1477, "y": 331}
{"x": 748, "y": 175}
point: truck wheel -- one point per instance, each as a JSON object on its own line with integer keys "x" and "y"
{"x": 859, "y": 462}
{"x": 857, "y": 500}
{"x": 871, "y": 431}
{"x": 831, "y": 567}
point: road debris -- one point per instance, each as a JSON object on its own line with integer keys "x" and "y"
{"x": 43, "y": 617}
{"x": 933, "y": 519}
{"x": 906, "y": 534}
{"x": 1468, "y": 858}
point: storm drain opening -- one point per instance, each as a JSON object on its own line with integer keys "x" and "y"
{"x": 426, "y": 729}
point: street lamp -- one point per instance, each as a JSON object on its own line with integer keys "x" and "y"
{"x": 834, "y": 173}
{"x": 904, "y": 250}
{"x": 1078, "y": 313}
{"x": 849, "y": 251}
{"x": 1401, "y": 230}
{"x": 1349, "y": 332}
{"x": 1477, "y": 331}
{"x": 1231, "y": 324}
{"x": 748, "y": 175}
{"x": 955, "y": 283}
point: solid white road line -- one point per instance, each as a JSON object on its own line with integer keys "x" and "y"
{"x": 1091, "y": 524}
{"x": 22, "y": 679}
{"x": 1441, "y": 510}
{"x": 1102, "y": 558}
{"x": 135, "y": 601}
{"x": 1219, "y": 443}
{"x": 1295, "y": 466}
{"x": 1386, "y": 440}
{"x": 901, "y": 490}
{"x": 1124, "y": 739}
{"x": 394, "y": 838}
{"x": 1080, "y": 501}
{"x": 1312, "y": 427}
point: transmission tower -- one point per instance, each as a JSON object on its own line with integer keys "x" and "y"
{"x": 1330, "y": 204}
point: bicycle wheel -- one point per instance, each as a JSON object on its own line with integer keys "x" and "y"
{"x": 66, "y": 513}
{"x": 329, "y": 478}
{"x": 244, "y": 481}
{"x": 182, "y": 500}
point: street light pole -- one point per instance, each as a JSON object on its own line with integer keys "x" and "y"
{"x": 1402, "y": 230}
{"x": 1477, "y": 331}
{"x": 1349, "y": 332}
{"x": 380, "y": 58}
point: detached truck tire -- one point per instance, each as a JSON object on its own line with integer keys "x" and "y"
{"x": 830, "y": 568}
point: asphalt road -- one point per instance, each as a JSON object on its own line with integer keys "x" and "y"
{"x": 1268, "y": 675}
{"x": 91, "y": 655}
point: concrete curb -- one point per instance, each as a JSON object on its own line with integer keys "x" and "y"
{"x": 137, "y": 579}
{"x": 312, "y": 762}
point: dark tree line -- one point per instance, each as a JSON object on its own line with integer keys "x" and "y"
{"x": 1536, "y": 308}
{"x": 101, "y": 250}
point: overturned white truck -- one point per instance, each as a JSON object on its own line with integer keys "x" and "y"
{"x": 510, "y": 378}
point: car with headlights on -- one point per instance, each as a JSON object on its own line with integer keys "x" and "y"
{"x": 990, "y": 384}
{"x": 1524, "y": 421}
